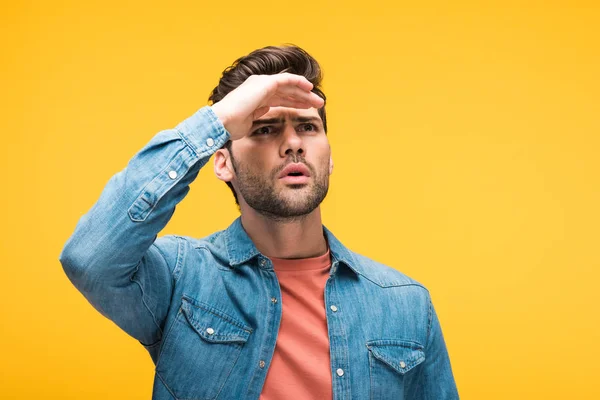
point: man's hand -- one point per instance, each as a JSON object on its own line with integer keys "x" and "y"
{"x": 252, "y": 99}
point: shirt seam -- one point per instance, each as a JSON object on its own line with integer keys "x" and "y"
{"x": 144, "y": 299}
{"x": 429, "y": 320}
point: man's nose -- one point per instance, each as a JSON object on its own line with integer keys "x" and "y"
{"x": 292, "y": 142}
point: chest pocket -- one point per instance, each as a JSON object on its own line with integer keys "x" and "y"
{"x": 393, "y": 367}
{"x": 200, "y": 351}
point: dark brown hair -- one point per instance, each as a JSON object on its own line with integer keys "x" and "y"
{"x": 270, "y": 60}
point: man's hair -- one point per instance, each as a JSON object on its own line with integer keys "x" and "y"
{"x": 269, "y": 60}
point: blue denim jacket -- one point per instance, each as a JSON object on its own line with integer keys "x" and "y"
{"x": 208, "y": 310}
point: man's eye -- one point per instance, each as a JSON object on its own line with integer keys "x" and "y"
{"x": 312, "y": 127}
{"x": 264, "y": 130}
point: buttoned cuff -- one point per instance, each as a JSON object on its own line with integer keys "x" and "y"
{"x": 204, "y": 132}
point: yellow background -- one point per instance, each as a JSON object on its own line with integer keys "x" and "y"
{"x": 466, "y": 148}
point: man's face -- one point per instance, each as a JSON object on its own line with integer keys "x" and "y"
{"x": 282, "y": 167}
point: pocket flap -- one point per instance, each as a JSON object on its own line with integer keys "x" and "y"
{"x": 401, "y": 355}
{"x": 214, "y": 325}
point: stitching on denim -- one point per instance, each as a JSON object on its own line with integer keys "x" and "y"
{"x": 141, "y": 193}
{"x": 150, "y": 345}
{"x": 371, "y": 396}
{"x": 215, "y": 126}
{"x": 165, "y": 385}
{"x": 411, "y": 362}
{"x": 240, "y": 259}
{"x": 217, "y": 313}
{"x": 143, "y": 297}
{"x": 396, "y": 342}
{"x": 162, "y": 254}
{"x": 392, "y": 285}
{"x": 230, "y": 337}
{"x": 239, "y": 347}
{"x": 166, "y": 337}
{"x": 429, "y": 318}
{"x": 216, "y": 123}
{"x": 188, "y": 144}
{"x": 226, "y": 268}
{"x": 179, "y": 261}
{"x": 158, "y": 177}
{"x": 239, "y": 352}
{"x": 345, "y": 347}
{"x": 271, "y": 316}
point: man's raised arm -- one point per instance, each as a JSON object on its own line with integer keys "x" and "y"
{"x": 114, "y": 257}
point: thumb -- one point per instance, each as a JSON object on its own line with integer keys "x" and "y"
{"x": 259, "y": 112}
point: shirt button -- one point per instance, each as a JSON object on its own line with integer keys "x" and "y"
{"x": 172, "y": 174}
{"x": 340, "y": 372}
{"x": 210, "y": 331}
{"x": 402, "y": 364}
{"x": 210, "y": 142}
{"x": 333, "y": 308}
{"x": 261, "y": 364}
{"x": 262, "y": 262}
{"x": 274, "y": 300}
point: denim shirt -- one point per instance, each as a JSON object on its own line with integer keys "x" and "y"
{"x": 208, "y": 310}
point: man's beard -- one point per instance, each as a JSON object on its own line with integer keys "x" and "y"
{"x": 259, "y": 192}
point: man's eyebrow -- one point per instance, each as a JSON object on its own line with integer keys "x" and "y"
{"x": 268, "y": 121}
{"x": 306, "y": 119}
{"x": 282, "y": 120}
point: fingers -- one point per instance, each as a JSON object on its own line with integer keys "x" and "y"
{"x": 298, "y": 87}
{"x": 287, "y": 79}
{"x": 300, "y": 95}
{"x": 285, "y": 90}
{"x": 279, "y": 101}
{"x": 259, "y": 112}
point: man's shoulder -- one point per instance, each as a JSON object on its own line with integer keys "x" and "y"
{"x": 372, "y": 270}
{"x": 383, "y": 274}
{"x": 173, "y": 242}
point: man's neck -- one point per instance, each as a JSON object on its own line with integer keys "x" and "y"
{"x": 298, "y": 238}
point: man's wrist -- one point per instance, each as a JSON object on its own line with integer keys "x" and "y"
{"x": 219, "y": 113}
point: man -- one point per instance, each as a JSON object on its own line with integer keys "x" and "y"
{"x": 273, "y": 307}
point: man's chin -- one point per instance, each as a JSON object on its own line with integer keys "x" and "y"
{"x": 291, "y": 186}
{"x": 296, "y": 186}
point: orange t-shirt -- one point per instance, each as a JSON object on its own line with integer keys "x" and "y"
{"x": 300, "y": 368}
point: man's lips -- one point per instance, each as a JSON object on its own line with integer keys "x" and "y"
{"x": 295, "y": 170}
{"x": 295, "y": 180}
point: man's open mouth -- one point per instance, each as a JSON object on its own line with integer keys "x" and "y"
{"x": 295, "y": 170}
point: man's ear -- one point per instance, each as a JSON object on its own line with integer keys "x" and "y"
{"x": 223, "y": 167}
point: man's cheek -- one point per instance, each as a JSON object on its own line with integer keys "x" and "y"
{"x": 257, "y": 166}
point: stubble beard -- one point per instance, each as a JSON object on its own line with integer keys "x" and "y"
{"x": 291, "y": 203}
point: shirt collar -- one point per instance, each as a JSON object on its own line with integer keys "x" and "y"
{"x": 240, "y": 247}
